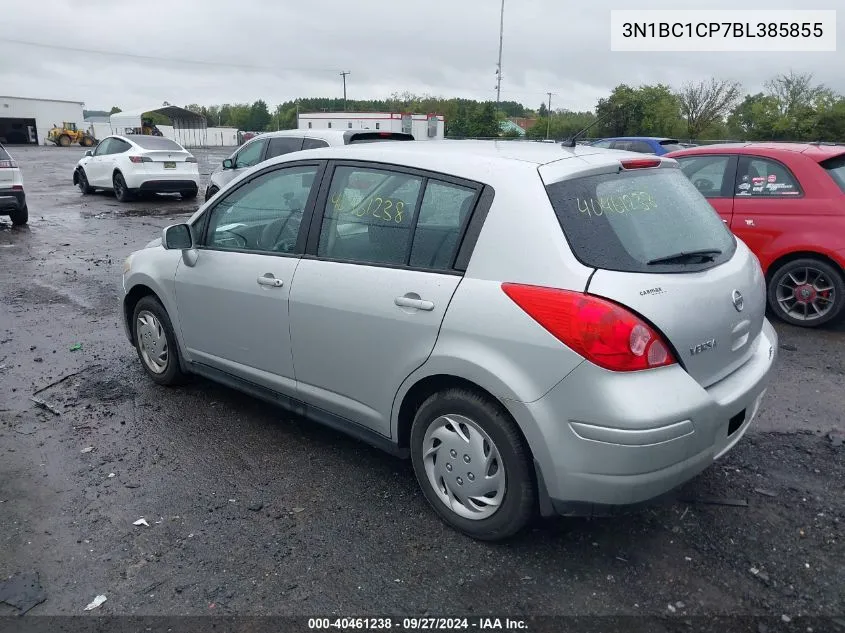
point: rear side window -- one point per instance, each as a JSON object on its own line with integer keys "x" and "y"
{"x": 603, "y": 144}
{"x": 444, "y": 209}
{"x": 283, "y": 145}
{"x": 834, "y": 166}
{"x": 671, "y": 146}
{"x": 641, "y": 146}
{"x": 376, "y": 137}
{"x": 313, "y": 143}
{"x": 762, "y": 177}
{"x": 622, "y": 221}
{"x": 4, "y": 155}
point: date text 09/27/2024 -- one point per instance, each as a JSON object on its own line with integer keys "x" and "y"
{"x": 417, "y": 624}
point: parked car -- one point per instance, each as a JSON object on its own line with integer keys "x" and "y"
{"x": 597, "y": 351}
{"x": 136, "y": 163}
{"x": 12, "y": 195}
{"x": 274, "y": 144}
{"x": 640, "y": 144}
{"x": 787, "y": 202}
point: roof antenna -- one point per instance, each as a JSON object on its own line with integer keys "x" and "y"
{"x": 571, "y": 141}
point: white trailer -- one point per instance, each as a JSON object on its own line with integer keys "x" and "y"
{"x": 424, "y": 127}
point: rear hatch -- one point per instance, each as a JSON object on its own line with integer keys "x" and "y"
{"x": 375, "y": 137}
{"x": 661, "y": 251}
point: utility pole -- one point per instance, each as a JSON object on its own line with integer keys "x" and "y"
{"x": 549, "y": 115}
{"x": 499, "y": 64}
{"x": 343, "y": 74}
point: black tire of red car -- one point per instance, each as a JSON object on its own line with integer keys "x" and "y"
{"x": 831, "y": 275}
{"x": 519, "y": 505}
{"x": 20, "y": 216}
{"x": 173, "y": 374}
{"x": 121, "y": 191}
{"x": 210, "y": 192}
{"x": 82, "y": 182}
{"x": 189, "y": 194}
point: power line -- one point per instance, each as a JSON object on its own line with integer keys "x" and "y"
{"x": 198, "y": 62}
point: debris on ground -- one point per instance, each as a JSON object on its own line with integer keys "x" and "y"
{"x": 255, "y": 507}
{"x": 141, "y": 521}
{"x": 75, "y": 347}
{"x": 717, "y": 501}
{"x": 298, "y": 510}
{"x": 836, "y": 439}
{"x": 788, "y": 347}
{"x": 43, "y": 404}
{"x": 23, "y": 591}
{"x": 767, "y": 493}
{"x": 96, "y": 602}
{"x": 111, "y": 475}
{"x": 87, "y": 449}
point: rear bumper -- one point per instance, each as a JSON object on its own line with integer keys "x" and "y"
{"x": 602, "y": 439}
{"x": 168, "y": 186}
{"x": 12, "y": 200}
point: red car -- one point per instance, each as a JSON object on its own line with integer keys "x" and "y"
{"x": 786, "y": 201}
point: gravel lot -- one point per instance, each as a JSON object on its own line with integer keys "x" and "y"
{"x": 253, "y": 511}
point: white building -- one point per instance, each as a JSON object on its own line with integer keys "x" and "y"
{"x": 424, "y": 127}
{"x": 25, "y": 121}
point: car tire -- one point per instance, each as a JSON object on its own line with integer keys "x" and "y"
{"x": 121, "y": 191}
{"x": 82, "y": 183}
{"x": 20, "y": 216}
{"x": 210, "y": 192}
{"x": 190, "y": 194}
{"x": 461, "y": 420}
{"x": 807, "y": 286}
{"x": 156, "y": 343}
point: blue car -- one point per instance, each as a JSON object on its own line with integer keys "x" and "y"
{"x": 642, "y": 144}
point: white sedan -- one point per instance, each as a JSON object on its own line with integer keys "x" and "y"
{"x": 133, "y": 164}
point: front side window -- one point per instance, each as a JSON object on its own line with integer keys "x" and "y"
{"x": 707, "y": 173}
{"x": 283, "y": 145}
{"x": 443, "y": 211}
{"x": 603, "y": 144}
{"x": 633, "y": 220}
{"x": 264, "y": 214}
{"x": 250, "y": 155}
{"x": 103, "y": 147}
{"x": 765, "y": 178}
{"x": 368, "y": 215}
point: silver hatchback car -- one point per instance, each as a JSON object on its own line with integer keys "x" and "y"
{"x": 539, "y": 328}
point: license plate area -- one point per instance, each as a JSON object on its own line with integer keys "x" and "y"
{"x": 169, "y": 164}
{"x": 736, "y": 422}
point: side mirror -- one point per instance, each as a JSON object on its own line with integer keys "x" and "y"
{"x": 228, "y": 164}
{"x": 177, "y": 237}
{"x": 89, "y": 152}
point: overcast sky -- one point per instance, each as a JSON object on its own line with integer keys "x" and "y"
{"x": 280, "y": 49}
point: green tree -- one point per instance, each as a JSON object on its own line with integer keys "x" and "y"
{"x": 830, "y": 123}
{"x": 259, "y": 116}
{"x": 755, "y": 118}
{"x": 114, "y": 110}
{"x": 543, "y": 111}
{"x": 706, "y": 103}
{"x": 484, "y": 123}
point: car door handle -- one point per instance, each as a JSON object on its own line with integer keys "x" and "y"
{"x": 267, "y": 279}
{"x": 414, "y": 301}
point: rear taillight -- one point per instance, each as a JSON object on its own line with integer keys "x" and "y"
{"x": 8, "y": 164}
{"x": 640, "y": 163}
{"x": 599, "y": 330}
{"x": 190, "y": 159}
{"x": 140, "y": 159}
{"x": 17, "y": 187}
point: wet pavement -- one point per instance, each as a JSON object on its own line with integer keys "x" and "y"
{"x": 254, "y": 511}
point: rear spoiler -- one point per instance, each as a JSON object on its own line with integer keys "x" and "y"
{"x": 368, "y": 136}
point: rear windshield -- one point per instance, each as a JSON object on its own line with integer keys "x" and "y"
{"x": 4, "y": 155}
{"x": 835, "y": 167}
{"x": 375, "y": 137}
{"x": 622, "y": 221}
{"x": 671, "y": 146}
{"x": 156, "y": 142}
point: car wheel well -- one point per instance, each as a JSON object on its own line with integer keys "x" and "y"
{"x": 116, "y": 172}
{"x": 785, "y": 259}
{"x": 131, "y": 300}
{"x": 426, "y": 387}
{"x": 76, "y": 176}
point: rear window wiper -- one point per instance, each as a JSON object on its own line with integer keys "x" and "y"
{"x": 687, "y": 257}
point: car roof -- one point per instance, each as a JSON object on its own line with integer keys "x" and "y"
{"x": 334, "y": 137}
{"x": 817, "y": 151}
{"x": 474, "y": 160}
